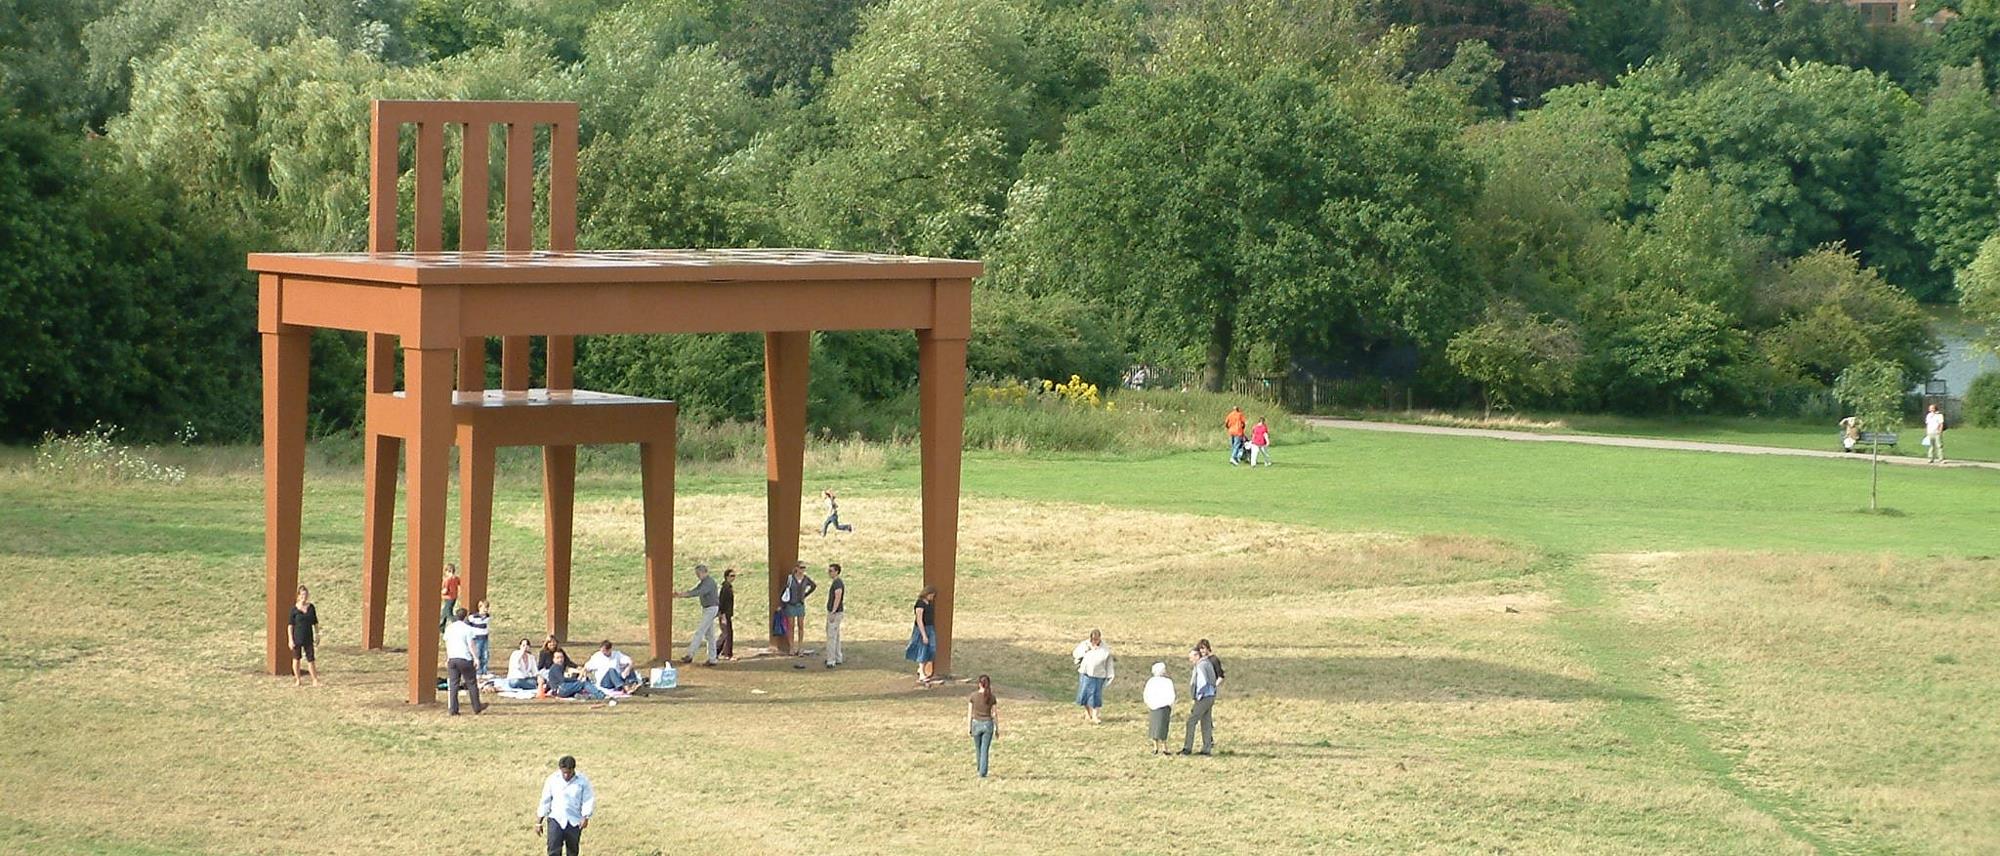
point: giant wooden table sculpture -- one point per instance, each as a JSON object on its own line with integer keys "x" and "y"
{"x": 436, "y": 301}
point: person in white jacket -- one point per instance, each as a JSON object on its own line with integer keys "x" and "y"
{"x": 1094, "y": 669}
{"x": 1160, "y": 707}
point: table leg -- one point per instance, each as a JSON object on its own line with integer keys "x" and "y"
{"x": 785, "y": 376}
{"x": 427, "y": 377}
{"x": 287, "y": 353}
{"x": 558, "y": 519}
{"x": 380, "y": 462}
{"x": 941, "y": 413}
{"x": 475, "y": 514}
{"x": 656, "y": 467}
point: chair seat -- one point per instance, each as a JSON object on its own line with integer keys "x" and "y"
{"x": 538, "y": 417}
{"x": 544, "y": 398}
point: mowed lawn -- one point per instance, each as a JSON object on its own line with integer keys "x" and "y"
{"x": 1434, "y": 644}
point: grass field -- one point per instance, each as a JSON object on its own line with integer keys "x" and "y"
{"x": 1435, "y": 644}
{"x": 1961, "y": 442}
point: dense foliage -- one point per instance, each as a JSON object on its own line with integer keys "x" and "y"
{"x": 1639, "y": 205}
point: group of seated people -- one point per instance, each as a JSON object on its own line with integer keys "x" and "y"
{"x": 550, "y": 672}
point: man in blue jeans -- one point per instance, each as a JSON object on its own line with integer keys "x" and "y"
{"x": 1201, "y": 685}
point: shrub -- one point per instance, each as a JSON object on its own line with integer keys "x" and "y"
{"x": 1982, "y": 401}
{"x": 94, "y": 455}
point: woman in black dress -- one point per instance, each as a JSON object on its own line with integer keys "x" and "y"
{"x": 922, "y": 649}
{"x": 305, "y": 619}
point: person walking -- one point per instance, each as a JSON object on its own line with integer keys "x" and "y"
{"x": 1234, "y": 423}
{"x": 1934, "y": 435}
{"x": 1201, "y": 687}
{"x": 482, "y": 629}
{"x": 798, "y": 587}
{"x": 725, "y": 615}
{"x": 705, "y": 589}
{"x": 1260, "y": 443}
{"x": 836, "y": 610}
{"x": 1094, "y": 669}
{"x": 922, "y": 649}
{"x": 982, "y": 722}
{"x": 1159, "y": 697}
{"x": 832, "y": 515}
{"x": 450, "y": 592}
{"x": 304, "y": 621}
{"x": 459, "y": 669}
{"x": 567, "y": 803}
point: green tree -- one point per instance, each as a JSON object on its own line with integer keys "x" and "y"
{"x": 1515, "y": 357}
{"x": 1946, "y": 162}
{"x": 788, "y": 44}
{"x": 1825, "y": 312}
{"x": 928, "y": 120}
{"x": 1970, "y": 36}
{"x": 1979, "y": 291}
{"x": 1873, "y": 390}
{"x": 1654, "y": 348}
{"x": 1534, "y": 39}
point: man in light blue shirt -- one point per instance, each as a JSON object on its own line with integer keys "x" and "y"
{"x": 567, "y": 804}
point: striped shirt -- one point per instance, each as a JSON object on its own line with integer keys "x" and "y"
{"x": 479, "y": 620}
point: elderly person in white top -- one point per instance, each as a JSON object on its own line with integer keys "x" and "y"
{"x": 705, "y": 589}
{"x": 567, "y": 803}
{"x": 1934, "y": 435}
{"x": 460, "y": 670}
{"x": 1160, "y": 707}
{"x": 1094, "y": 669}
{"x": 611, "y": 669}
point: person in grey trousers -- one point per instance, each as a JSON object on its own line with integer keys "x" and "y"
{"x": 1201, "y": 686}
{"x": 705, "y": 589}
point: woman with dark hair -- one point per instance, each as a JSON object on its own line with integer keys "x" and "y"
{"x": 923, "y": 636}
{"x": 301, "y": 628}
{"x": 981, "y": 721}
{"x": 522, "y": 670}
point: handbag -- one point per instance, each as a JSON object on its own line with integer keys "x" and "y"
{"x": 778, "y": 623}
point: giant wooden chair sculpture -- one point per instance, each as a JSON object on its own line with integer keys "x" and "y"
{"x": 555, "y": 417}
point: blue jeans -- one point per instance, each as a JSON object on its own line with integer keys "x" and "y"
{"x": 527, "y": 683}
{"x": 1235, "y": 448}
{"x": 482, "y": 649}
{"x": 573, "y": 688}
{"x": 982, "y": 742}
{"x": 613, "y": 680}
{"x": 1090, "y": 691}
{"x": 833, "y": 520}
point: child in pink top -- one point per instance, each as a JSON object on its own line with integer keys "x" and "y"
{"x": 1260, "y": 440}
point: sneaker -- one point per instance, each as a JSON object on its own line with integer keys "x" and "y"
{"x": 1185, "y": 752}
{"x": 710, "y": 663}
{"x": 798, "y": 665}
{"x": 686, "y": 660}
{"x": 480, "y": 708}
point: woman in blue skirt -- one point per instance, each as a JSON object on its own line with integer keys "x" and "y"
{"x": 923, "y": 637}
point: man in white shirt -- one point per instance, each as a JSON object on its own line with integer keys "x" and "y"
{"x": 460, "y": 670}
{"x": 1934, "y": 435}
{"x": 611, "y": 669}
{"x": 567, "y": 803}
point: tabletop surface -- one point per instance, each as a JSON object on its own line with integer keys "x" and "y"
{"x": 610, "y": 266}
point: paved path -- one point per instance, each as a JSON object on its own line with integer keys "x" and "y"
{"x": 1629, "y": 442}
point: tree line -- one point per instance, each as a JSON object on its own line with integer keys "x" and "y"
{"x": 1638, "y": 205}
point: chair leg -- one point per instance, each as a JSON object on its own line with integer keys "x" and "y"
{"x": 559, "y": 512}
{"x": 380, "y": 453}
{"x": 475, "y": 514}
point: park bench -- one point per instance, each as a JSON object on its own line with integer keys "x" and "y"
{"x": 1881, "y": 438}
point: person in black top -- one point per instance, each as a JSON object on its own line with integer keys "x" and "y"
{"x": 923, "y": 636}
{"x": 726, "y": 614}
{"x": 1213, "y": 660}
{"x": 305, "y": 619}
{"x": 550, "y": 648}
{"x": 836, "y": 610}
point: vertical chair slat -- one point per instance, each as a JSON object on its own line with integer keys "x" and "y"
{"x": 430, "y": 187}
{"x": 382, "y": 173}
{"x": 520, "y": 228}
{"x": 473, "y": 176}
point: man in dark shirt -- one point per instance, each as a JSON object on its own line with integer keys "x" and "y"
{"x": 305, "y": 619}
{"x": 726, "y": 613}
{"x": 836, "y": 609}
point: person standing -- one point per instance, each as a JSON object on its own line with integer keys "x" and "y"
{"x": 798, "y": 587}
{"x": 1934, "y": 434}
{"x": 567, "y": 803}
{"x": 450, "y": 592}
{"x": 836, "y": 610}
{"x": 1159, "y": 697}
{"x": 832, "y": 515}
{"x": 1201, "y": 686}
{"x": 305, "y": 620}
{"x": 725, "y": 616}
{"x": 1260, "y": 443}
{"x": 1234, "y": 423}
{"x": 981, "y": 721}
{"x": 1214, "y": 662}
{"x": 459, "y": 670}
{"x": 922, "y": 649}
{"x": 704, "y": 588}
{"x": 1094, "y": 669}
{"x": 482, "y": 629}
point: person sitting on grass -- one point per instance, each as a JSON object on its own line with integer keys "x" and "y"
{"x": 558, "y": 681}
{"x": 611, "y": 669}
{"x": 547, "y": 654}
{"x": 521, "y": 667}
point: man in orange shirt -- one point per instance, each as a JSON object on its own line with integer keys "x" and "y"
{"x": 1234, "y": 422}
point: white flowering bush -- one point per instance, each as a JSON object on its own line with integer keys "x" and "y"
{"x": 96, "y": 455}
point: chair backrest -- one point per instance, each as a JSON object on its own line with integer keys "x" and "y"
{"x": 475, "y": 121}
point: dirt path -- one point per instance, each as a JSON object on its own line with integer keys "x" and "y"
{"x": 1629, "y": 442}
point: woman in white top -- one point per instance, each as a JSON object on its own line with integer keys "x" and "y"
{"x": 521, "y": 667}
{"x": 1094, "y": 669}
{"x": 1160, "y": 707}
